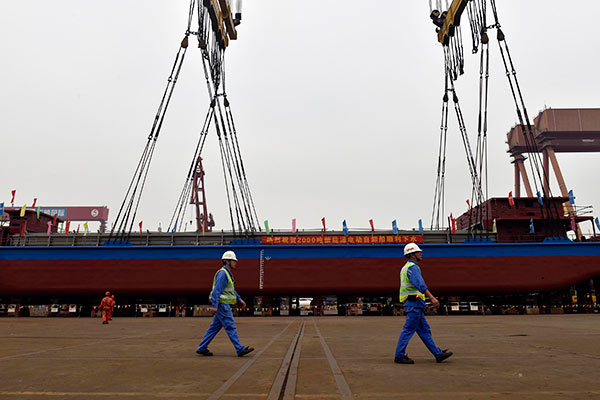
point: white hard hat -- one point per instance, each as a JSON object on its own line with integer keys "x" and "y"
{"x": 229, "y": 255}
{"x": 411, "y": 248}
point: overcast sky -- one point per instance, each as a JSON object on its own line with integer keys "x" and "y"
{"x": 337, "y": 105}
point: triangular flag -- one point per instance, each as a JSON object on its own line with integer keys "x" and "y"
{"x": 13, "y": 196}
{"x": 38, "y": 212}
{"x": 372, "y": 225}
{"x": 203, "y": 226}
{"x": 539, "y": 196}
{"x": 54, "y": 219}
{"x": 77, "y": 228}
{"x": 573, "y": 225}
{"x": 597, "y": 222}
{"x": 34, "y": 201}
{"x": 453, "y": 223}
{"x": 23, "y": 210}
{"x": 394, "y": 227}
{"x": 24, "y": 229}
{"x": 175, "y": 227}
{"x": 345, "y": 227}
{"x": 141, "y": 222}
{"x": 67, "y": 227}
{"x": 1, "y": 209}
{"x": 49, "y": 228}
{"x": 267, "y": 230}
{"x": 323, "y": 221}
{"x": 571, "y": 197}
{"x": 468, "y": 205}
{"x": 85, "y": 228}
{"x": 494, "y": 230}
{"x": 531, "y": 227}
{"x": 420, "y": 227}
{"x": 511, "y": 201}
{"x": 565, "y": 209}
{"x": 294, "y": 225}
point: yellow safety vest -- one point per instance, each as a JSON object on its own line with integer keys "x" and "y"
{"x": 228, "y": 295}
{"x": 406, "y": 287}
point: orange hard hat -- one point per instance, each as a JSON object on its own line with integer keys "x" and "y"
{"x": 107, "y": 293}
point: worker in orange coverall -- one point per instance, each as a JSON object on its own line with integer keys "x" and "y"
{"x": 112, "y": 307}
{"x": 106, "y": 307}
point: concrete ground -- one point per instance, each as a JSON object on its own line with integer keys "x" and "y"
{"x": 525, "y": 357}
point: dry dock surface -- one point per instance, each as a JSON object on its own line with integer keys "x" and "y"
{"x": 525, "y": 357}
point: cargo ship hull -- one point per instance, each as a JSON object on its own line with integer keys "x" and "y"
{"x": 478, "y": 268}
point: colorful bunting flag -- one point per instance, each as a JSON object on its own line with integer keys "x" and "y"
{"x": 395, "y": 227}
{"x": 141, "y": 222}
{"x": 1, "y": 209}
{"x": 372, "y": 225}
{"x": 345, "y": 227}
{"x": 531, "y": 227}
{"x": 67, "y": 227}
{"x": 175, "y": 227}
{"x": 420, "y": 227}
{"x": 54, "y": 219}
{"x": 494, "y": 230}
{"x": 37, "y": 212}
{"x": 539, "y": 196}
{"x": 267, "y": 227}
{"x": 23, "y": 210}
{"x": 24, "y": 229}
{"x": 511, "y": 200}
{"x": 12, "y": 201}
{"x": 294, "y": 225}
{"x": 598, "y": 223}
{"x": 571, "y": 197}
{"x": 573, "y": 225}
{"x": 34, "y": 201}
{"x": 85, "y": 228}
{"x": 468, "y": 205}
{"x": 324, "y": 227}
{"x": 77, "y": 228}
{"x": 49, "y": 228}
{"x": 565, "y": 209}
{"x": 453, "y": 222}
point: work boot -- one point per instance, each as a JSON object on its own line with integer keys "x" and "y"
{"x": 247, "y": 350}
{"x": 403, "y": 360}
{"x": 445, "y": 354}
{"x": 104, "y": 323}
{"x": 205, "y": 353}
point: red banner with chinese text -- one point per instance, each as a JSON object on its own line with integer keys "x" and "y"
{"x": 354, "y": 239}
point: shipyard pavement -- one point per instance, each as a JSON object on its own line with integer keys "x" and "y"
{"x": 525, "y": 357}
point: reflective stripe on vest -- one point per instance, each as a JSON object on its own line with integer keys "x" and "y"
{"x": 406, "y": 287}
{"x": 228, "y": 295}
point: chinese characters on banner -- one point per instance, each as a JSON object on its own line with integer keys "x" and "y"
{"x": 355, "y": 239}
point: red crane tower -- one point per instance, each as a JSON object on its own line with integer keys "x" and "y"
{"x": 204, "y": 220}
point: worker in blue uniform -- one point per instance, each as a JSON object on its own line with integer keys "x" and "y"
{"x": 412, "y": 293}
{"x": 222, "y": 297}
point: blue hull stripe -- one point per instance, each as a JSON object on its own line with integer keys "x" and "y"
{"x": 298, "y": 252}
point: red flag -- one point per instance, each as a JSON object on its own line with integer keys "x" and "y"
{"x": 372, "y": 225}
{"x": 469, "y": 204}
{"x": 77, "y": 228}
{"x": 13, "y": 196}
{"x": 34, "y": 201}
{"x": 141, "y": 222}
{"x": 511, "y": 201}
{"x": 54, "y": 219}
{"x": 23, "y": 229}
{"x": 453, "y": 220}
{"x": 323, "y": 221}
{"x": 67, "y": 226}
{"x": 573, "y": 225}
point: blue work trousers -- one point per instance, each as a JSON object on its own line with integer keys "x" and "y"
{"x": 222, "y": 319}
{"x": 416, "y": 322}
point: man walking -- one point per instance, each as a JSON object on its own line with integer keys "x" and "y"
{"x": 412, "y": 293}
{"x": 105, "y": 307}
{"x": 112, "y": 307}
{"x": 222, "y": 296}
